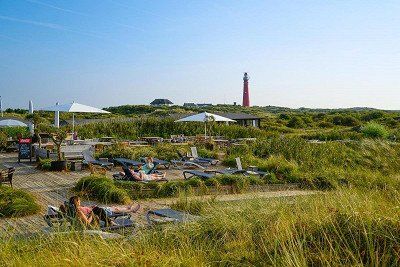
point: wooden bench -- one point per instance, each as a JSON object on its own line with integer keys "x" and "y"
{"x": 6, "y": 175}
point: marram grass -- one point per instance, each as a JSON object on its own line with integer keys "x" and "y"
{"x": 336, "y": 228}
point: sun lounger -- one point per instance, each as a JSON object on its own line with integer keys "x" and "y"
{"x": 195, "y": 155}
{"x": 88, "y": 159}
{"x": 168, "y": 215}
{"x": 159, "y": 162}
{"x": 239, "y": 170}
{"x": 189, "y": 162}
{"x": 202, "y": 175}
{"x": 56, "y": 217}
{"x": 129, "y": 177}
{"x": 128, "y": 162}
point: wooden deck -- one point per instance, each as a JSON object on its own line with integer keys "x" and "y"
{"x": 49, "y": 188}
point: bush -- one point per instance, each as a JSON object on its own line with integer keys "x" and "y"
{"x": 238, "y": 182}
{"x": 296, "y": 122}
{"x": 102, "y": 189}
{"x": 325, "y": 124}
{"x": 15, "y": 203}
{"x": 375, "y": 130}
{"x": 44, "y": 164}
{"x": 345, "y": 120}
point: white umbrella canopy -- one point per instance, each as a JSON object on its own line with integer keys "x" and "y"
{"x": 12, "y": 123}
{"x": 205, "y": 117}
{"x": 74, "y": 108}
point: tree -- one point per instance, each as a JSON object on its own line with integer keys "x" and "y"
{"x": 58, "y": 136}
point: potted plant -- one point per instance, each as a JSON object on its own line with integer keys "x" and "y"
{"x": 58, "y": 136}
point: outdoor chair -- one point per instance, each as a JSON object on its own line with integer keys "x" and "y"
{"x": 127, "y": 176}
{"x": 158, "y": 162}
{"x": 202, "y": 175}
{"x": 55, "y": 217}
{"x": 239, "y": 170}
{"x": 127, "y": 162}
{"x": 189, "y": 162}
{"x": 89, "y": 159}
{"x": 162, "y": 216}
{"x": 6, "y": 175}
{"x": 195, "y": 156}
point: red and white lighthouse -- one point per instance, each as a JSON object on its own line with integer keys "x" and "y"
{"x": 246, "y": 97}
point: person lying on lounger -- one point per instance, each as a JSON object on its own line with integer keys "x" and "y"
{"x": 142, "y": 176}
{"x": 87, "y": 213}
{"x": 144, "y": 172}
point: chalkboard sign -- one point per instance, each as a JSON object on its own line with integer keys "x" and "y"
{"x": 25, "y": 149}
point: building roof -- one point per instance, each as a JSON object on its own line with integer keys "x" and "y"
{"x": 160, "y": 101}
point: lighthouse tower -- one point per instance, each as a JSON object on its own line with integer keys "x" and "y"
{"x": 246, "y": 97}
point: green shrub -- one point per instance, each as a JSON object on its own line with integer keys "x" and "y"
{"x": 375, "y": 130}
{"x": 212, "y": 182}
{"x": 238, "y": 182}
{"x": 345, "y": 120}
{"x": 296, "y": 122}
{"x": 102, "y": 189}
{"x": 15, "y": 203}
{"x": 13, "y": 132}
{"x": 278, "y": 165}
{"x": 171, "y": 188}
{"x": 325, "y": 124}
{"x": 44, "y": 164}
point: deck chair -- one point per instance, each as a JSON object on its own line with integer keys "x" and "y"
{"x": 127, "y": 176}
{"x": 202, "y": 175}
{"x": 56, "y": 217}
{"x": 127, "y": 162}
{"x": 158, "y": 162}
{"x": 239, "y": 170}
{"x": 89, "y": 159}
{"x": 195, "y": 155}
{"x": 162, "y": 216}
{"x": 189, "y": 162}
{"x": 6, "y": 175}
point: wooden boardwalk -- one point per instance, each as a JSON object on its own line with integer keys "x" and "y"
{"x": 50, "y": 188}
{"x": 53, "y": 188}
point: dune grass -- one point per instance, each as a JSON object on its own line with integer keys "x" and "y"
{"x": 349, "y": 227}
{"x": 100, "y": 188}
{"x": 16, "y": 203}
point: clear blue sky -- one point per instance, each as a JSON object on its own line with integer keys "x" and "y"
{"x": 113, "y": 52}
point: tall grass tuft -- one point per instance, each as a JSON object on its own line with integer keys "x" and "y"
{"x": 340, "y": 228}
{"x": 16, "y": 203}
{"x": 102, "y": 189}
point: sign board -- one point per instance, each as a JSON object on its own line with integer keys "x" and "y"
{"x": 25, "y": 149}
